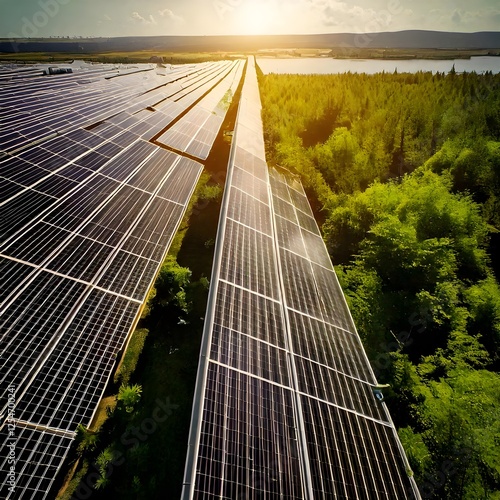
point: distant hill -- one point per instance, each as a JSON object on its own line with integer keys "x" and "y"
{"x": 415, "y": 39}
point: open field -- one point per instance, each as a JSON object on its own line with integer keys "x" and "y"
{"x": 144, "y": 56}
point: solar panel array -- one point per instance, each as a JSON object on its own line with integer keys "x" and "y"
{"x": 34, "y": 107}
{"x": 284, "y": 404}
{"x": 87, "y": 217}
{"x": 196, "y": 131}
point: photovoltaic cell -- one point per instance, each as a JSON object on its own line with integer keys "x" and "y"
{"x": 8, "y": 189}
{"x": 335, "y": 309}
{"x": 74, "y": 211}
{"x": 299, "y": 285}
{"x": 111, "y": 223}
{"x": 58, "y": 145}
{"x": 316, "y": 250}
{"x": 30, "y": 323}
{"x": 245, "y": 260}
{"x": 250, "y": 163}
{"x": 13, "y": 274}
{"x": 330, "y": 346}
{"x": 21, "y": 171}
{"x": 251, "y": 184}
{"x": 75, "y": 173}
{"x": 38, "y": 456}
{"x": 249, "y": 211}
{"x": 79, "y": 366}
{"x": 19, "y": 211}
{"x": 92, "y": 160}
{"x": 343, "y": 391}
{"x": 129, "y": 275}
{"x": 283, "y": 208}
{"x": 154, "y": 230}
{"x": 250, "y": 314}
{"x": 180, "y": 182}
{"x": 153, "y": 171}
{"x": 289, "y": 237}
{"x": 81, "y": 258}
{"x": 352, "y": 457}
{"x": 307, "y": 222}
{"x": 37, "y": 243}
{"x": 109, "y": 149}
{"x": 56, "y": 186}
{"x": 265, "y": 361}
{"x": 248, "y": 441}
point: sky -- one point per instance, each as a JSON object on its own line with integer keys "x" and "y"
{"x": 107, "y": 18}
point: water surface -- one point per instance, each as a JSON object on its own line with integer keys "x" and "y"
{"x": 328, "y": 65}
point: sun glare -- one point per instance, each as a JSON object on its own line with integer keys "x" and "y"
{"x": 256, "y": 18}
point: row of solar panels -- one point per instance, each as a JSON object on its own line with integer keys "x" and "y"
{"x": 284, "y": 404}
{"x": 87, "y": 218}
{"x": 41, "y": 107}
{"x": 198, "y": 129}
{"x": 89, "y": 149}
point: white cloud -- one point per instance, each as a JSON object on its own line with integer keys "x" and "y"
{"x": 352, "y": 17}
{"x": 149, "y": 20}
{"x": 465, "y": 20}
{"x": 137, "y": 17}
{"x": 169, "y": 14}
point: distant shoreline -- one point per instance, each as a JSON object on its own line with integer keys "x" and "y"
{"x": 383, "y": 54}
{"x": 411, "y": 44}
{"x": 147, "y": 56}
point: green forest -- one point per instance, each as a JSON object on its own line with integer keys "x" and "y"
{"x": 403, "y": 171}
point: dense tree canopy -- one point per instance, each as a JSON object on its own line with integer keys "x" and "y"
{"x": 405, "y": 172}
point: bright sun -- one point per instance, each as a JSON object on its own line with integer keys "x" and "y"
{"x": 255, "y": 18}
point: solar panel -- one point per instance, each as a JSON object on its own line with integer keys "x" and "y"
{"x": 196, "y": 132}
{"x": 69, "y": 385}
{"x": 38, "y": 454}
{"x": 39, "y": 108}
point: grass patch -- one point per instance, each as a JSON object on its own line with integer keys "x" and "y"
{"x": 102, "y": 412}
{"x": 78, "y": 472}
{"x": 129, "y": 362}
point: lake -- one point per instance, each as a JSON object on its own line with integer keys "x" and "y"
{"x": 312, "y": 65}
